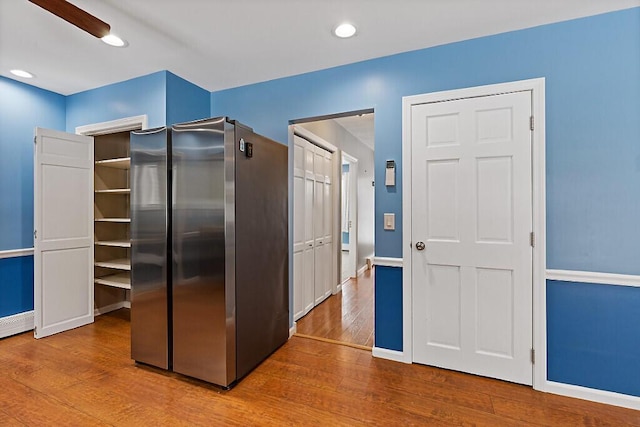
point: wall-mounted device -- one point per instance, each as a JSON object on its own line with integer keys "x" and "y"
{"x": 390, "y": 173}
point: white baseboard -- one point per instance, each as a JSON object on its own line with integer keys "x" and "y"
{"x": 361, "y": 270}
{"x": 16, "y": 324}
{"x": 594, "y": 395}
{"x": 396, "y": 356}
{"x": 111, "y": 307}
{"x": 293, "y": 329}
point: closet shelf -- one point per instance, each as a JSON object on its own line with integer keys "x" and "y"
{"x": 116, "y": 264}
{"x": 114, "y": 243}
{"x": 120, "y": 163}
{"x": 120, "y": 280}
{"x": 115, "y": 191}
{"x": 123, "y": 220}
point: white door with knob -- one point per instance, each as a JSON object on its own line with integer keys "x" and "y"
{"x": 471, "y": 223}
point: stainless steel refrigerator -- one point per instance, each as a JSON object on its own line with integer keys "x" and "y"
{"x": 209, "y": 271}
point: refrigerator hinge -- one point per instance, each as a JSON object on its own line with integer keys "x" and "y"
{"x": 533, "y": 356}
{"x": 531, "y": 122}
{"x": 532, "y": 239}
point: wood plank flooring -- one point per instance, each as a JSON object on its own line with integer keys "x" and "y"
{"x": 346, "y": 317}
{"x": 85, "y": 377}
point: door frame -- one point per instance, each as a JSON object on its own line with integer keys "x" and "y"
{"x": 352, "y": 191}
{"x": 537, "y": 88}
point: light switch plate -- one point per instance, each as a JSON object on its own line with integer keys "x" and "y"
{"x": 389, "y": 221}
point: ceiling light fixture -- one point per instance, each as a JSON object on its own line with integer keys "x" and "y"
{"x": 344, "y": 31}
{"x": 113, "y": 40}
{"x": 22, "y": 73}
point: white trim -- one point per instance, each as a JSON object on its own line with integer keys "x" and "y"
{"x": 361, "y": 270}
{"x": 397, "y": 356}
{"x": 16, "y": 324}
{"x": 594, "y": 277}
{"x": 293, "y": 329}
{"x": 537, "y": 87}
{"x": 111, "y": 307}
{"x": 387, "y": 261}
{"x": 13, "y": 253}
{"x": 594, "y": 395}
{"x": 114, "y": 126}
{"x": 314, "y": 139}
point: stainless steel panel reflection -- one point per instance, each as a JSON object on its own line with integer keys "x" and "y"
{"x": 202, "y": 325}
{"x": 150, "y": 323}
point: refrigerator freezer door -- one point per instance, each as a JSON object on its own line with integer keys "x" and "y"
{"x": 262, "y": 292}
{"x": 150, "y": 316}
{"x": 203, "y": 310}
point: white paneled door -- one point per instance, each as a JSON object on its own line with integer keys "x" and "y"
{"x": 63, "y": 236}
{"x": 471, "y": 224}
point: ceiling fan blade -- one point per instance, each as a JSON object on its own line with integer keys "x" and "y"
{"x": 76, "y": 16}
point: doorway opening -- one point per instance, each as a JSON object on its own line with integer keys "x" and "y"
{"x": 343, "y": 216}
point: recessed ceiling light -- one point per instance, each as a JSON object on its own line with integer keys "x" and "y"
{"x": 113, "y": 40}
{"x": 22, "y": 73}
{"x": 345, "y": 30}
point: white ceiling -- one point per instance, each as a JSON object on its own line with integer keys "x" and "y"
{"x": 360, "y": 126}
{"x": 218, "y": 44}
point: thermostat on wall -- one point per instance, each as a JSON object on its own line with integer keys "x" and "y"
{"x": 390, "y": 173}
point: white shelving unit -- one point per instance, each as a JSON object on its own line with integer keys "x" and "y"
{"x": 112, "y": 263}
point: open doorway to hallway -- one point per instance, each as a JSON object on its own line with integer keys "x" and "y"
{"x": 347, "y": 314}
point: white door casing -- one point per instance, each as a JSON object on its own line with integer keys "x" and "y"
{"x": 351, "y": 190}
{"x": 63, "y": 236}
{"x": 472, "y": 209}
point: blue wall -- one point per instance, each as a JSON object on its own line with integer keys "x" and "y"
{"x": 135, "y": 97}
{"x": 593, "y": 337}
{"x": 591, "y": 68}
{"x": 16, "y": 285}
{"x": 185, "y": 101}
{"x": 22, "y": 108}
{"x": 592, "y": 71}
{"x": 388, "y": 311}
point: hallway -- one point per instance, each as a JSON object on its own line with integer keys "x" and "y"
{"x": 346, "y": 317}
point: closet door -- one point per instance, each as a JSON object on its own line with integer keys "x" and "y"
{"x": 299, "y": 222}
{"x": 327, "y": 224}
{"x": 309, "y": 241}
{"x": 63, "y": 235}
{"x": 322, "y": 216}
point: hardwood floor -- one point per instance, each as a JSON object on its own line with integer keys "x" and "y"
{"x": 85, "y": 377}
{"x": 346, "y": 317}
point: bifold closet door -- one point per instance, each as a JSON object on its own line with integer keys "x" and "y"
{"x": 322, "y": 215}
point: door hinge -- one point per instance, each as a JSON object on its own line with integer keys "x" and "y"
{"x": 532, "y": 239}
{"x": 35, "y": 139}
{"x": 533, "y": 356}
{"x": 531, "y": 122}
{"x": 35, "y": 234}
